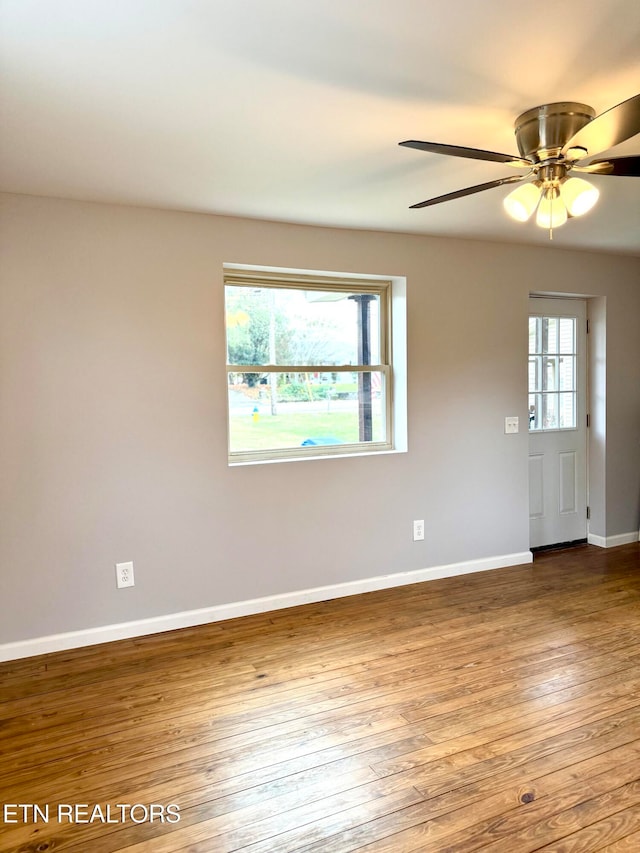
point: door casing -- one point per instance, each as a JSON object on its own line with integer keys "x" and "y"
{"x": 558, "y": 483}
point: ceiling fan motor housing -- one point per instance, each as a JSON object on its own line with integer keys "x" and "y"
{"x": 542, "y": 132}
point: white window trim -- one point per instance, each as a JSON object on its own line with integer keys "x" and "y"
{"x": 392, "y": 350}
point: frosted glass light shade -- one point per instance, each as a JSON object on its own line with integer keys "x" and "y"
{"x": 521, "y": 203}
{"x": 551, "y": 211}
{"x": 578, "y": 195}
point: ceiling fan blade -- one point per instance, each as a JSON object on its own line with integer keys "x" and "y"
{"x": 512, "y": 179}
{"x": 470, "y": 153}
{"x": 622, "y": 166}
{"x": 609, "y": 128}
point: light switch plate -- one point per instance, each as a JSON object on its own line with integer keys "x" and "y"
{"x": 511, "y": 425}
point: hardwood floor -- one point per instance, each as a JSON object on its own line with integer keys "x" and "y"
{"x": 498, "y": 711}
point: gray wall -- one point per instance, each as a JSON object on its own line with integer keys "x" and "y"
{"x": 113, "y": 430}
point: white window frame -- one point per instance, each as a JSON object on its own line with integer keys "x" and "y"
{"x": 380, "y": 287}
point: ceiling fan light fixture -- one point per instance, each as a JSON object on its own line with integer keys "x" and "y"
{"x": 552, "y": 140}
{"x": 521, "y": 203}
{"x": 551, "y": 211}
{"x": 578, "y": 195}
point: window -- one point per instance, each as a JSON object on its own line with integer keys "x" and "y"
{"x": 552, "y": 373}
{"x": 308, "y": 365}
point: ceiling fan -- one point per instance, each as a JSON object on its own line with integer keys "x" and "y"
{"x": 553, "y": 140}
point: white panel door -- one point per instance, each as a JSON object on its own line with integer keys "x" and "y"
{"x": 557, "y": 421}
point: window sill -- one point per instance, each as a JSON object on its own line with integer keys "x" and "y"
{"x": 315, "y": 457}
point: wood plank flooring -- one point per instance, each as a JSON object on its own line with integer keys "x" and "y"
{"x": 498, "y": 711}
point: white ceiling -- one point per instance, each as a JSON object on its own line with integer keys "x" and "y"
{"x": 292, "y": 109}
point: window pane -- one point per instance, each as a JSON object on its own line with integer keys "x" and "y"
{"x": 566, "y": 368}
{"x": 271, "y": 325}
{"x": 535, "y": 409}
{"x": 535, "y": 373}
{"x": 534, "y": 334}
{"x": 550, "y": 411}
{"x": 550, "y": 373}
{"x": 550, "y": 335}
{"x": 273, "y": 411}
{"x": 567, "y": 334}
{"x": 567, "y": 411}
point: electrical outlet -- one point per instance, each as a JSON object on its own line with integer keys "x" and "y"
{"x": 418, "y": 530}
{"x": 124, "y": 575}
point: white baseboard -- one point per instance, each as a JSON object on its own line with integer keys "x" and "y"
{"x": 189, "y": 618}
{"x": 613, "y": 541}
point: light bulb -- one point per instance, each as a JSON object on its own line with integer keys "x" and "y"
{"x": 521, "y": 203}
{"x": 551, "y": 211}
{"x": 578, "y": 195}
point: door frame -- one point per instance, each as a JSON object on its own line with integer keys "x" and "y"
{"x": 583, "y": 397}
{"x": 597, "y": 410}
{"x": 597, "y": 433}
